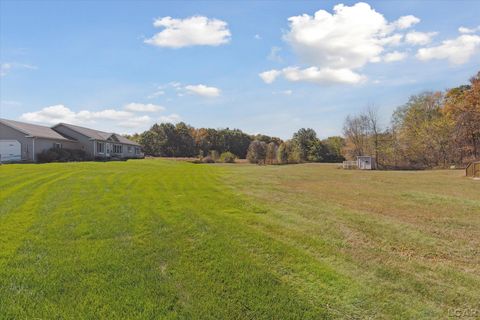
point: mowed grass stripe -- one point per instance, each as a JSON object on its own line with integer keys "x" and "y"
{"x": 164, "y": 239}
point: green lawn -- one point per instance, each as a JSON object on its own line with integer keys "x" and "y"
{"x": 161, "y": 239}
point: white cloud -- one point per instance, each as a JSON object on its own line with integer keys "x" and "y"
{"x": 60, "y": 113}
{"x": 348, "y": 38}
{"x": 105, "y": 120}
{"x": 172, "y": 118}
{"x": 136, "y": 122}
{"x": 406, "y": 22}
{"x": 269, "y": 76}
{"x": 336, "y": 44}
{"x": 6, "y": 67}
{"x": 315, "y": 75}
{"x": 468, "y": 30}
{"x": 203, "y": 90}
{"x": 323, "y": 76}
{"x": 193, "y": 31}
{"x": 257, "y": 37}
{"x": 142, "y": 107}
{"x": 419, "y": 38}
{"x": 394, "y": 56}
{"x": 457, "y": 51}
{"x": 158, "y": 93}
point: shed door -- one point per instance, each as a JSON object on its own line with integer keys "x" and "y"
{"x": 10, "y": 150}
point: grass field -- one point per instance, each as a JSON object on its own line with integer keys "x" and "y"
{"x": 159, "y": 239}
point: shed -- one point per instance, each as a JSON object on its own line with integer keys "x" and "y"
{"x": 473, "y": 169}
{"x": 366, "y": 163}
{"x": 362, "y": 163}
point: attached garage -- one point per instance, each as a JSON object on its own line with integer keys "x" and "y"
{"x": 23, "y": 141}
{"x": 10, "y": 151}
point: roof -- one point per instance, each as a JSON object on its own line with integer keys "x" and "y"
{"x": 97, "y": 134}
{"x": 34, "y": 130}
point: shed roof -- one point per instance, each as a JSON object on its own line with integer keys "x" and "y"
{"x": 34, "y": 130}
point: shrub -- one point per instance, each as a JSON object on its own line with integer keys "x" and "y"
{"x": 227, "y": 157}
{"x": 214, "y": 155}
{"x": 62, "y": 155}
{"x": 208, "y": 159}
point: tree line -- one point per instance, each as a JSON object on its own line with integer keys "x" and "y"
{"x": 433, "y": 129}
{"x": 183, "y": 140}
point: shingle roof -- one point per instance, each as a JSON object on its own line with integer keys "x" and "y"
{"x": 97, "y": 134}
{"x": 33, "y": 130}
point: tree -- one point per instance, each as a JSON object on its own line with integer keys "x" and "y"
{"x": 282, "y": 153}
{"x": 271, "y": 153}
{"x": 419, "y": 127}
{"x": 184, "y": 143}
{"x": 334, "y": 146}
{"x": 305, "y": 139}
{"x": 257, "y": 152}
{"x": 374, "y": 130}
{"x": 462, "y": 108}
{"x": 355, "y": 130}
{"x": 293, "y": 152}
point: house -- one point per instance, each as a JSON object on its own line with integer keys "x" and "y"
{"x": 99, "y": 143}
{"x": 21, "y": 141}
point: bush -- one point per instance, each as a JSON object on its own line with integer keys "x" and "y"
{"x": 208, "y": 159}
{"x": 228, "y": 157}
{"x": 62, "y": 155}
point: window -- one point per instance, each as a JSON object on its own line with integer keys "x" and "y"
{"x": 57, "y": 145}
{"x": 100, "y": 147}
{"x": 117, "y": 148}
{"x": 130, "y": 149}
{"x": 137, "y": 150}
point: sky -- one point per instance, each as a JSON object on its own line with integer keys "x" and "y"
{"x": 268, "y": 67}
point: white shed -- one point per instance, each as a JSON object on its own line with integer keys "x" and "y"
{"x": 366, "y": 163}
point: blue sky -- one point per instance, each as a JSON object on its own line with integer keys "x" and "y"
{"x": 105, "y": 65}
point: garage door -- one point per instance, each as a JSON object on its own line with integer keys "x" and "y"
{"x": 10, "y": 150}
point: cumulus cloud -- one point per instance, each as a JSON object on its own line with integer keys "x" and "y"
{"x": 456, "y": 51}
{"x": 468, "y": 30}
{"x": 270, "y": 76}
{"x": 107, "y": 119}
{"x": 315, "y": 75}
{"x": 193, "y": 31}
{"x": 136, "y": 122}
{"x": 406, "y": 22}
{"x": 142, "y": 107}
{"x": 394, "y": 56}
{"x": 60, "y": 113}
{"x": 334, "y": 45}
{"x": 203, "y": 90}
{"x": 419, "y": 38}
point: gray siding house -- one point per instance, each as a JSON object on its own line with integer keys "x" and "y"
{"x": 21, "y": 141}
{"x": 99, "y": 143}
